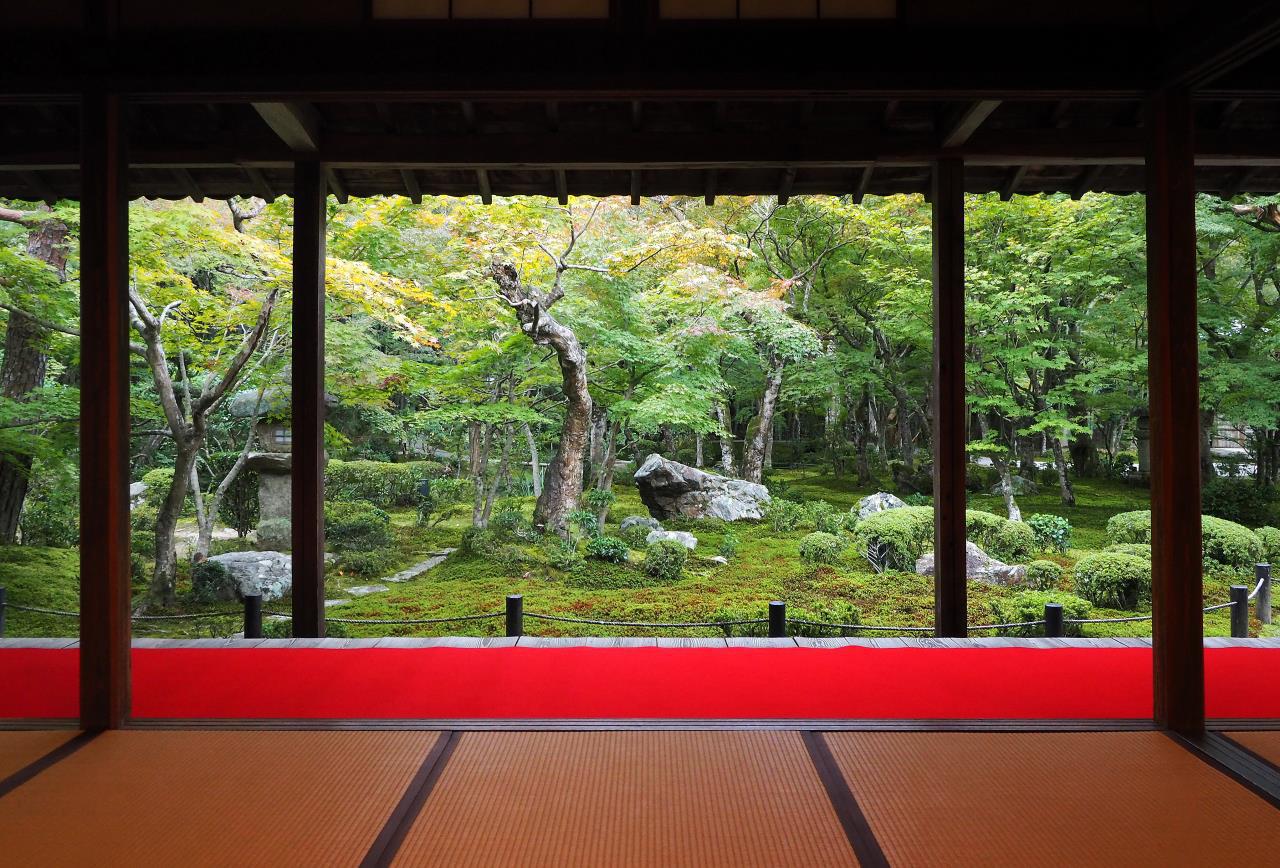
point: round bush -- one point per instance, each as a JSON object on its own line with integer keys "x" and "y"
{"x": 211, "y": 582}
{"x": 1029, "y": 606}
{"x": 561, "y": 554}
{"x": 374, "y": 564}
{"x": 637, "y": 536}
{"x": 608, "y": 548}
{"x": 1230, "y": 544}
{"x": 784, "y": 515}
{"x": 665, "y": 559}
{"x": 821, "y": 548}
{"x": 1113, "y": 580}
{"x": 479, "y": 541}
{"x": 1043, "y": 575}
{"x": 143, "y": 542}
{"x": 901, "y": 535}
{"x": 1138, "y": 550}
{"x": 158, "y": 482}
{"x": 1052, "y": 532}
{"x": 382, "y": 483}
{"x": 1270, "y": 539}
{"x": 1130, "y": 527}
{"x": 982, "y": 528}
{"x": 357, "y": 526}
{"x": 1238, "y": 500}
{"x": 1014, "y": 542}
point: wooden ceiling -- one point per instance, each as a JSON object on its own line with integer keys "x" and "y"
{"x": 632, "y": 106}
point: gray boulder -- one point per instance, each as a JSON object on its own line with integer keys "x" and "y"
{"x": 137, "y": 494}
{"x": 267, "y": 573}
{"x": 1020, "y": 485}
{"x": 639, "y": 521}
{"x": 685, "y": 538}
{"x": 981, "y": 567}
{"x": 878, "y": 502}
{"x": 669, "y": 488}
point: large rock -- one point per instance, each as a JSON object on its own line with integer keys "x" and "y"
{"x": 669, "y": 488}
{"x": 685, "y": 538}
{"x": 878, "y": 502}
{"x": 267, "y": 573}
{"x": 981, "y": 567}
{"x": 639, "y": 521}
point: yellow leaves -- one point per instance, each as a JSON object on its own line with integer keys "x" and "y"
{"x": 383, "y": 297}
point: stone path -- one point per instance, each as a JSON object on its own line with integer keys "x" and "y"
{"x": 406, "y": 575}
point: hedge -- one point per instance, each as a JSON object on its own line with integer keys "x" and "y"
{"x": 1113, "y": 580}
{"x": 902, "y": 535}
{"x": 381, "y": 483}
{"x": 821, "y": 548}
{"x": 1225, "y": 542}
{"x": 1043, "y": 575}
{"x": 356, "y": 527}
{"x": 1029, "y": 606}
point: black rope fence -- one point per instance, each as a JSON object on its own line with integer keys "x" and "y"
{"x": 1053, "y": 622}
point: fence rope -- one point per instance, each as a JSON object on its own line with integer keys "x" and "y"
{"x": 830, "y": 626}
{"x": 686, "y": 624}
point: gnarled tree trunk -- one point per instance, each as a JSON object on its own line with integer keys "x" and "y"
{"x": 753, "y": 458}
{"x": 726, "y": 438}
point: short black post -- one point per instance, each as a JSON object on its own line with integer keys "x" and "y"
{"x": 253, "y": 616}
{"x": 1053, "y": 626}
{"x": 777, "y": 620}
{"x": 1261, "y": 573}
{"x": 1240, "y": 612}
{"x": 515, "y": 614}
{"x": 4, "y": 604}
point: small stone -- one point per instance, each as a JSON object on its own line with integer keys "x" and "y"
{"x": 685, "y": 538}
{"x": 640, "y": 521}
{"x": 718, "y": 559}
{"x": 365, "y": 590}
{"x": 341, "y": 602}
{"x": 881, "y": 501}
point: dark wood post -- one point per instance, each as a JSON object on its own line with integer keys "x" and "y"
{"x": 1177, "y": 626}
{"x": 1240, "y": 612}
{"x": 1261, "y": 576}
{"x": 1054, "y": 628}
{"x": 777, "y": 620}
{"x": 950, "y": 592}
{"x": 515, "y": 615}
{"x": 104, "y": 414}
{"x": 4, "y": 605}
{"x": 309, "y": 192}
{"x": 253, "y": 616}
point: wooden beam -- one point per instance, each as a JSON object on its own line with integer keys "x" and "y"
{"x": 468, "y": 115}
{"x": 553, "y": 116}
{"x": 188, "y": 183}
{"x": 1088, "y": 178}
{"x": 785, "y": 183}
{"x": 562, "y": 187}
{"x": 949, "y": 412}
{"x": 309, "y": 193}
{"x": 1238, "y": 181}
{"x": 1177, "y": 626}
{"x": 335, "y": 184}
{"x": 38, "y": 185}
{"x": 261, "y": 188}
{"x": 864, "y": 182}
{"x": 637, "y": 115}
{"x": 104, "y": 411}
{"x": 1011, "y": 185}
{"x": 709, "y": 187}
{"x": 410, "y": 179}
{"x": 964, "y": 126}
{"x": 294, "y": 123}
{"x": 486, "y": 192}
{"x": 1206, "y": 50}
{"x": 635, "y": 186}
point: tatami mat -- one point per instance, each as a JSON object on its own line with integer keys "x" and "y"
{"x": 628, "y": 798}
{"x": 213, "y": 798}
{"x": 20, "y": 748}
{"x": 1264, "y": 744}
{"x": 1017, "y": 799}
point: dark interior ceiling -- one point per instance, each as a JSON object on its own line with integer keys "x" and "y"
{"x": 630, "y": 107}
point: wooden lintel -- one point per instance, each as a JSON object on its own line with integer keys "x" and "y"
{"x": 294, "y": 123}
{"x": 39, "y": 186}
{"x": 468, "y": 115}
{"x": 973, "y": 116}
{"x": 637, "y": 115}
{"x": 553, "y": 116}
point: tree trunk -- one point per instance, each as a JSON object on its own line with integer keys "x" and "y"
{"x": 483, "y": 442}
{"x": 595, "y": 453}
{"x": 504, "y": 462}
{"x": 1064, "y": 481}
{"x": 697, "y": 450}
{"x": 726, "y": 438}
{"x": 166, "y": 572}
{"x": 1208, "y": 424}
{"x": 535, "y": 468}
{"x": 205, "y": 539}
{"x": 754, "y": 454}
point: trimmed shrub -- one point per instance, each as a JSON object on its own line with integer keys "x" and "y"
{"x": 143, "y": 542}
{"x": 824, "y": 517}
{"x": 561, "y": 554}
{"x": 1043, "y": 575}
{"x": 1270, "y": 539}
{"x": 608, "y": 548}
{"x": 158, "y": 482}
{"x": 1130, "y": 527}
{"x": 637, "y": 536}
{"x": 356, "y": 527}
{"x": 51, "y": 514}
{"x": 1138, "y": 550}
{"x": 1113, "y": 580}
{"x": 900, "y": 536}
{"x": 479, "y": 541}
{"x": 1052, "y": 532}
{"x": 824, "y": 612}
{"x": 1014, "y": 542}
{"x": 1029, "y": 606}
{"x": 784, "y": 515}
{"x": 821, "y": 548}
{"x": 665, "y": 559}
{"x": 373, "y": 564}
{"x": 445, "y": 498}
{"x": 728, "y": 545}
{"x": 143, "y": 517}
{"x": 211, "y": 582}
{"x": 981, "y": 527}
{"x": 1230, "y": 544}
{"x": 1240, "y": 500}
{"x": 381, "y": 483}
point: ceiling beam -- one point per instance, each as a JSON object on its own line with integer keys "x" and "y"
{"x": 635, "y": 186}
{"x": 864, "y": 182}
{"x": 294, "y": 123}
{"x": 785, "y": 183}
{"x": 410, "y": 179}
{"x": 188, "y": 183}
{"x": 336, "y": 186}
{"x": 562, "y": 187}
{"x": 1013, "y": 183}
{"x": 1237, "y": 182}
{"x": 486, "y": 191}
{"x": 972, "y": 117}
{"x": 262, "y": 188}
{"x": 1211, "y": 49}
{"x": 39, "y": 187}
{"x": 1088, "y": 178}
{"x": 709, "y": 188}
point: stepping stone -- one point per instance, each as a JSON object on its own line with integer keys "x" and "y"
{"x": 416, "y": 570}
{"x": 364, "y": 590}
{"x": 342, "y": 602}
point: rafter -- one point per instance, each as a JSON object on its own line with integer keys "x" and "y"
{"x": 411, "y": 186}
{"x": 189, "y": 184}
{"x": 1013, "y": 183}
{"x": 336, "y": 186}
{"x": 785, "y": 183}
{"x": 967, "y": 123}
{"x": 864, "y": 182}
{"x": 486, "y": 192}
{"x": 296, "y": 124}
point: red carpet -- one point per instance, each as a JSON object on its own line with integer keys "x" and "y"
{"x": 979, "y": 683}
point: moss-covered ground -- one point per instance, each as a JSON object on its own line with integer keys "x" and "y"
{"x": 766, "y": 566}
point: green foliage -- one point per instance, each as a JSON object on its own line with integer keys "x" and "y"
{"x": 821, "y": 548}
{"x": 383, "y": 484}
{"x": 1243, "y": 501}
{"x": 510, "y": 522}
{"x": 143, "y": 517}
{"x": 212, "y": 582}
{"x": 51, "y": 514}
{"x": 445, "y": 500}
{"x": 1130, "y": 527}
{"x": 729, "y": 545}
{"x": 664, "y": 560}
{"x": 1052, "y": 532}
{"x": 1114, "y": 580}
{"x": 143, "y": 542}
{"x": 158, "y": 482}
{"x": 1014, "y": 542}
{"x": 1029, "y": 606}
{"x": 823, "y": 612}
{"x": 560, "y": 553}
{"x": 480, "y": 541}
{"x": 585, "y": 521}
{"x": 1138, "y": 550}
{"x": 275, "y": 534}
{"x": 637, "y": 536}
{"x": 371, "y": 563}
{"x": 1043, "y": 575}
{"x": 1229, "y": 543}
{"x": 608, "y": 548}
{"x": 784, "y": 515}
{"x": 598, "y": 500}
{"x": 1270, "y": 539}
{"x": 356, "y": 526}
{"x": 824, "y": 517}
{"x": 983, "y": 528}
{"x": 902, "y": 535}
{"x": 239, "y": 509}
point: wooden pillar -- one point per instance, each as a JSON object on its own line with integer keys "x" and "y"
{"x": 950, "y": 592}
{"x": 309, "y": 192}
{"x": 1173, "y": 372}
{"x": 104, "y": 414}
